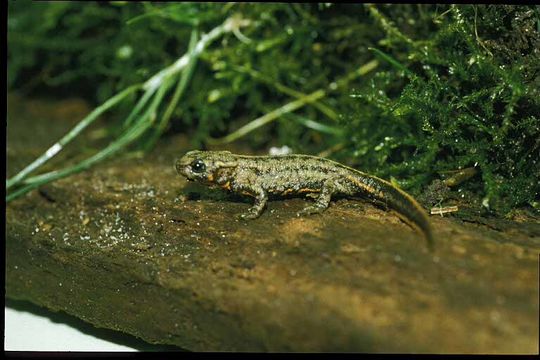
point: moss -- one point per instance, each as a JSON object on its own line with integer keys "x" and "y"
{"x": 467, "y": 102}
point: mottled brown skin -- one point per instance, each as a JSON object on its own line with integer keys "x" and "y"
{"x": 260, "y": 176}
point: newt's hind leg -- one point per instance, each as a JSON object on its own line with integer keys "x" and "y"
{"x": 322, "y": 201}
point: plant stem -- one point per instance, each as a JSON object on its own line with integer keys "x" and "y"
{"x": 314, "y": 125}
{"x": 179, "y": 91}
{"x": 57, "y": 147}
{"x": 286, "y": 90}
{"x": 229, "y": 25}
{"x": 132, "y": 134}
{"x": 138, "y": 107}
{"x": 269, "y": 117}
{"x": 393, "y": 62}
{"x": 293, "y": 105}
{"x": 387, "y": 25}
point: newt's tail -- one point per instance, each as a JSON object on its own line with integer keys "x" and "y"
{"x": 405, "y": 205}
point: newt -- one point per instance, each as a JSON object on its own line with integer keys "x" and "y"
{"x": 282, "y": 175}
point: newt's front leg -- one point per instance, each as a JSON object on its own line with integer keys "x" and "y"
{"x": 261, "y": 198}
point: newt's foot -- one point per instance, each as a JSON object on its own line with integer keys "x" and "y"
{"x": 309, "y": 210}
{"x": 249, "y": 215}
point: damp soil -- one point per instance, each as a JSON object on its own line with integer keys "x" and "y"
{"x": 130, "y": 246}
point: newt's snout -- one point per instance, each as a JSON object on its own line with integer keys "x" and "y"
{"x": 183, "y": 168}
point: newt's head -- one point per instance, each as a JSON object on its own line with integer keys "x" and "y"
{"x": 202, "y": 166}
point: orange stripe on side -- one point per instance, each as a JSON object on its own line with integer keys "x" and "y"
{"x": 227, "y": 185}
{"x": 304, "y": 190}
{"x": 286, "y": 192}
{"x": 368, "y": 188}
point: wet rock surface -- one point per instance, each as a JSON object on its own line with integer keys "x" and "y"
{"x": 131, "y": 246}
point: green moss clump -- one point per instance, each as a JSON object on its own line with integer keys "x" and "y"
{"x": 464, "y": 94}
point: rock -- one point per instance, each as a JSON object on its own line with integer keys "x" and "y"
{"x": 127, "y": 246}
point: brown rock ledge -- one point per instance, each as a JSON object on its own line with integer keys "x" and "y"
{"x": 130, "y": 246}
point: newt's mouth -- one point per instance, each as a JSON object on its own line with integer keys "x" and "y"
{"x": 187, "y": 173}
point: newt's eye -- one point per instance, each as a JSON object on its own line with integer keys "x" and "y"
{"x": 198, "y": 166}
